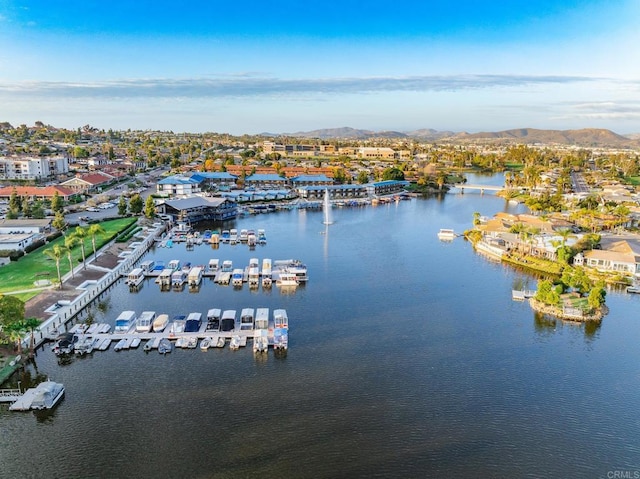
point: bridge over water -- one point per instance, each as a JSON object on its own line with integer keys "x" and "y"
{"x": 482, "y": 188}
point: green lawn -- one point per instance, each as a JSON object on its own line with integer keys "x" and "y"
{"x": 633, "y": 180}
{"x": 21, "y": 274}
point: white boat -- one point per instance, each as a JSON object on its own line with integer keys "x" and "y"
{"x": 280, "y": 318}
{"x": 44, "y": 396}
{"x": 153, "y": 343}
{"x": 135, "y": 342}
{"x": 244, "y": 234}
{"x": 195, "y": 276}
{"x": 254, "y": 276}
{"x": 165, "y": 346}
{"x": 147, "y": 266}
{"x": 125, "y": 322}
{"x": 235, "y": 343}
{"x": 233, "y": 236}
{"x": 177, "y": 325}
{"x": 135, "y": 277}
{"x": 262, "y": 237}
{"x": 205, "y": 343}
{"x": 261, "y": 341}
{"x": 286, "y": 279}
{"x": 104, "y": 345}
{"x": 227, "y": 266}
{"x": 164, "y": 278}
{"x": 218, "y": 343}
{"x": 160, "y": 323}
{"x": 293, "y": 266}
{"x": 145, "y": 321}
{"x": 174, "y": 265}
{"x": 262, "y": 319}
{"x": 246, "y": 318}
{"x": 181, "y": 342}
{"x": 446, "y": 234}
{"x": 213, "y": 265}
{"x": 237, "y": 277}
{"x": 634, "y": 288}
{"x": 280, "y": 339}
{"x": 124, "y": 343}
{"x": 192, "y": 342}
{"x": 178, "y": 278}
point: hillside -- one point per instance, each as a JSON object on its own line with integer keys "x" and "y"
{"x": 588, "y": 137}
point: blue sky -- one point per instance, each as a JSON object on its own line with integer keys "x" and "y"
{"x": 287, "y": 66}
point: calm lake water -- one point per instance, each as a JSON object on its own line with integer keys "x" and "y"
{"x": 407, "y": 358}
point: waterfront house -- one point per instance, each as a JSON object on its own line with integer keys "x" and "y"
{"x": 618, "y": 257}
{"x": 89, "y": 183}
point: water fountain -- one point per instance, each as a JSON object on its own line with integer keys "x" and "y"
{"x": 326, "y": 208}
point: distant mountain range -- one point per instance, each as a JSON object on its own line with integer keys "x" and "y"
{"x": 587, "y": 137}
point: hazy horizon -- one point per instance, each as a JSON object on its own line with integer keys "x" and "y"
{"x": 286, "y": 67}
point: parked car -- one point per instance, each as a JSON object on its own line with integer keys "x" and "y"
{"x": 92, "y": 209}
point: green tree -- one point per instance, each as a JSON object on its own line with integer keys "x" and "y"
{"x": 136, "y": 204}
{"x": 363, "y": 177}
{"x": 393, "y": 173}
{"x": 11, "y": 310}
{"x": 80, "y": 234}
{"x": 31, "y": 324}
{"x": 122, "y": 206}
{"x": 26, "y": 206}
{"x": 94, "y": 231}
{"x": 15, "y": 332}
{"x": 14, "y": 202}
{"x": 149, "y": 207}
{"x": 596, "y": 296}
{"x": 56, "y": 253}
{"x": 70, "y": 242}
{"x": 37, "y": 210}
{"x": 59, "y": 222}
{"x": 56, "y": 203}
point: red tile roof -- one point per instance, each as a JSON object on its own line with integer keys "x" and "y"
{"x": 39, "y": 191}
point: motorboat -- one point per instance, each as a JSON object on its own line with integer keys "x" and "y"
{"x": 218, "y": 343}
{"x": 261, "y": 341}
{"x": 177, "y": 325}
{"x": 213, "y": 266}
{"x": 165, "y": 346}
{"x": 262, "y": 319}
{"x": 237, "y": 277}
{"x": 227, "y": 266}
{"x": 280, "y": 318}
{"x": 280, "y": 339}
{"x": 84, "y": 345}
{"x": 145, "y": 321}
{"x": 160, "y": 322}
{"x": 193, "y": 323}
{"x": 235, "y": 343}
{"x": 446, "y": 234}
{"x": 246, "y": 318}
{"x": 192, "y": 342}
{"x": 124, "y": 343}
{"x": 213, "y": 319}
{"x": 125, "y": 321}
{"x": 65, "y": 344}
{"x": 135, "y": 342}
{"x": 135, "y": 277}
{"x": 205, "y": 343}
{"x": 286, "y": 279}
{"x": 178, "y": 278}
{"x": 44, "y": 396}
{"x": 228, "y": 321}
{"x": 262, "y": 237}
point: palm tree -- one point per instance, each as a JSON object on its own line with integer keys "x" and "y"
{"x": 95, "y": 230}
{"x": 81, "y": 233}
{"x": 56, "y": 252}
{"x": 15, "y": 332}
{"x": 31, "y": 324}
{"x": 70, "y": 243}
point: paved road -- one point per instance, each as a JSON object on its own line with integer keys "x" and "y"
{"x": 579, "y": 183}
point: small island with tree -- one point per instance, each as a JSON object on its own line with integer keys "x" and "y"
{"x": 573, "y": 297}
